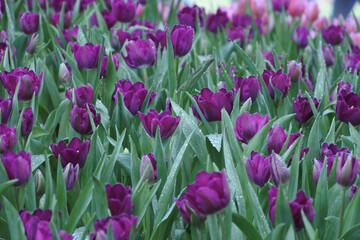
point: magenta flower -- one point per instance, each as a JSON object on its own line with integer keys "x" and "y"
{"x": 317, "y": 169}
{"x": 302, "y": 108}
{"x": 164, "y": 121}
{"x": 300, "y": 36}
{"x": 123, "y": 36}
{"x": 279, "y": 80}
{"x": 278, "y": 5}
{"x": 55, "y": 19}
{"x": 148, "y": 161}
{"x": 87, "y": 56}
{"x": 140, "y": 53}
{"x": 29, "y": 22}
{"x": 217, "y": 21}
{"x": 121, "y": 227}
{"x": 249, "y": 87}
{"x": 17, "y": 166}
{"x": 299, "y": 204}
{"x": 8, "y": 137}
{"x": 108, "y": 17}
{"x": 295, "y": 71}
{"x": 5, "y": 106}
{"x": 258, "y": 168}
{"x": 70, "y": 175}
{"x": 115, "y": 58}
{"x": 80, "y": 121}
{"x": 187, "y": 16}
{"x": 159, "y": 38}
{"x": 347, "y": 169}
{"x": 83, "y": 95}
{"x": 279, "y": 171}
{"x": 333, "y": 35}
{"x": 328, "y": 53}
{"x": 182, "y": 39}
{"x": 119, "y": 199}
{"x": 237, "y": 32}
{"x": 124, "y": 11}
{"x": 348, "y": 107}
{"x": 69, "y": 34}
{"x": 27, "y": 121}
{"x": 31, "y": 221}
{"x": 57, "y": 4}
{"x": 352, "y": 191}
{"x": 272, "y": 196}
{"x": 247, "y": 125}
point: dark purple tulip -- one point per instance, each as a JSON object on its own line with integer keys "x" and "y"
{"x": 57, "y": 4}
{"x": 258, "y": 168}
{"x": 55, "y": 19}
{"x": 121, "y": 227}
{"x": 30, "y": 82}
{"x": 43, "y": 231}
{"x": 109, "y": 18}
{"x": 217, "y": 21}
{"x": 5, "y": 106}
{"x": 301, "y": 204}
{"x": 27, "y": 121}
{"x": 277, "y": 138}
{"x": 123, "y": 36}
{"x": 124, "y": 11}
{"x": 182, "y": 39}
{"x": 295, "y": 71}
{"x": 69, "y": 34}
{"x": 211, "y": 103}
{"x": 279, "y": 171}
{"x": 76, "y": 152}
{"x": 317, "y": 170}
{"x": 272, "y": 196}
{"x": 341, "y": 85}
{"x": 187, "y": 16}
{"x": 31, "y": 221}
{"x": 70, "y": 175}
{"x": 87, "y": 56}
{"x": 279, "y": 80}
{"x": 119, "y": 199}
{"x": 328, "y": 55}
{"x": 134, "y": 94}
{"x": 115, "y": 58}
{"x": 333, "y": 35}
{"x": 352, "y": 62}
{"x": 83, "y": 95}
{"x": 300, "y": 36}
{"x": 278, "y": 5}
{"x": 3, "y": 47}
{"x": 242, "y": 20}
{"x": 352, "y": 191}
{"x": 17, "y": 166}
{"x": 145, "y": 23}
{"x": 348, "y": 107}
{"x": 302, "y": 108}
{"x": 140, "y": 53}
{"x": 84, "y": 4}
{"x": 164, "y": 120}
{"x": 159, "y": 38}
{"x": 80, "y": 121}
{"x": 148, "y": 161}
{"x": 247, "y": 125}
{"x": 185, "y": 211}
{"x": 329, "y": 152}
{"x": 209, "y": 194}
{"x": 249, "y": 87}
{"x": 268, "y": 55}
{"x": 237, "y": 32}
{"x": 347, "y": 169}
{"x": 8, "y": 137}
{"x": 29, "y": 22}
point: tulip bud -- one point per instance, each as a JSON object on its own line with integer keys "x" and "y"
{"x": 70, "y": 175}
{"x": 148, "y": 163}
{"x": 32, "y": 44}
{"x": 258, "y": 168}
{"x": 317, "y": 170}
{"x": 328, "y": 53}
{"x": 39, "y": 183}
{"x": 5, "y": 108}
{"x": 346, "y": 170}
{"x": 17, "y": 166}
{"x": 247, "y": 125}
{"x": 295, "y": 71}
{"x": 29, "y": 22}
{"x": 64, "y": 73}
{"x": 27, "y": 121}
{"x": 279, "y": 171}
{"x": 333, "y": 35}
{"x": 182, "y": 39}
{"x": 140, "y": 53}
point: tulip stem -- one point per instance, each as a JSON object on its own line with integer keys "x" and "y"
{"x": 146, "y": 80}
{"x": 339, "y": 130}
{"x": 341, "y": 213}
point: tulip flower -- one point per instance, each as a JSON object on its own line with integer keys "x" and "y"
{"x": 247, "y": 125}
{"x": 211, "y": 103}
{"x": 329, "y": 152}
{"x": 300, "y": 36}
{"x": 352, "y": 191}
{"x": 32, "y": 44}
{"x": 148, "y": 162}
{"x": 217, "y": 21}
{"x": 69, "y": 34}
{"x": 8, "y": 137}
{"x": 119, "y": 199}
{"x": 277, "y": 138}
{"x": 29, "y": 82}
{"x": 29, "y": 22}
{"x": 57, "y": 4}
{"x": 65, "y": 73}
{"x": 272, "y": 196}
{"x": 187, "y": 16}
{"x": 108, "y": 17}
{"x": 31, "y": 221}
{"x": 279, "y": 80}
{"x": 70, "y": 175}
{"x": 55, "y": 19}
{"x": 268, "y": 55}
{"x": 279, "y": 171}
{"x": 140, "y": 53}
{"x": 124, "y": 11}
{"x": 39, "y": 182}
{"x": 104, "y": 64}
{"x": 159, "y": 38}
{"x": 333, "y": 35}
{"x": 185, "y": 211}
{"x": 5, "y": 106}
{"x": 249, "y": 87}
{"x": 182, "y": 39}
{"x": 83, "y": 95}
{"x": 301, "y": 204}
{"x": 347, "y": 169}
{"x": 278, "y": 5}
{"x": 75, "y": 152}
{"x": 123, "y": 36}
{"x": 328, "y": 55}
{"x": 312, "y": 11}
{"x": 317, "y": 170}
{"x": 352, "y": 62}
{"x": 302, "y": 108}
{"x": 258, "y": 168}
{"x": 80, "y": 121}
{"x": 27, "y": 121}
{"x": 295, "y": 71}
{"x": 296, "y": 8}
{"x": 86, "y": 56}
{"x": 164, "y": 120}
{"x": 17, "y": 166}
{"x": 348, "y": 107}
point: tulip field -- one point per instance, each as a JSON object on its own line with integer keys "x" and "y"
{"x": 145, "y": 119}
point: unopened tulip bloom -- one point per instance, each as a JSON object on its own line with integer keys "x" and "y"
{"x": 69, "y": 34}
{"x": 57, "y": 4}
{"x": 182, "y": 39}
{"x": 8, "y": 137}
{"x": 258, "y": 168}
{"x": 32, "y": 44}
{"x": 317, "y": 170}
{"x": 272, "y": 196}
{"x": 258, "y": 8}
{"x": 39, "y": 182}
{"x": 301, "y": 204}
{"x": 119, "y": 199}
{"x": 140, "y": 53}
{"x": 148, "y": 167}
{"x": 124, "y": 11}
{"x": 296, "y": 7}
{"x": 83, "y": 95}
{"x": 300, "y": 36}
{"x": 31, "y": 221}
{"x": 70, "y": 175}
{"x": 121, "y": 227}
{"x": 295, "y": 71}
{"x": 87, "y": 56}
{"x": 65, "y": 73}
{"x": 249, "y": 87}
{"x": 104, "y": 64}
{"x": 347, "y": 169}
{"x": 17, "y": 166}
{"x": 5, "y": 106}
{"x": 277, "y": 138}
{"x": 75, "y": 152}
{"x": 247, "y": 125}
{"x": 159, "y": 38}
{"x": 279, "y": 80}
{"x": 217, "y": 21}
{"x": 29, "y": 22}
{"x": 348, "y": 107}
{"x": 302, "y": 108}
{"x": 134, "y": 94}
{"x": 312, "y": 11}
{"x": 164, "y": 121}
{"x": 333, "y": 35}
{"x": 29, "y": 82}
{"x": 328, "y": 55}
{"x": 352, "y": 62}
{"x": 55, "y": 19}
{"x": 108, "y": 17}
{"x": 187, "y": 16}
{"x": 278, "y": 5}
{"x": 27, "y": 121}
{"x": 279, "y": 171}
{"x": 80, "y": 121}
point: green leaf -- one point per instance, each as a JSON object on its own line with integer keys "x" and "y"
{"x": 100, "y": 199}
{"x": 16, "y": 227}
{"x": 215, "y": 140}
{"x": 245, "y": 226}
{"x": 61, "y": 195}
{"x": 352, "y": 213}
{"x": 282, "y": 210}
{"x": 321, "y": 202}
{"x": 353, "y": 233}
{"x": 6, "y": 185}
{"x": 248, "y": 62}
{"x": 309, "y": 229}
{"x": 172, "y": 79}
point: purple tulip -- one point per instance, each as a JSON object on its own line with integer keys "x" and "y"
{"x": 272, "y": 196}
{"x": 30, "y": 82}
{"x": 134, "y": 94}
{"x": 164, "y": 120}
{"x": 27, "y": 121}
{"x": 187, "y": 16}
{"x": 279, "y": 80}
{"x": 17, "y": 166}
{"x": 108, "y": 17}
{"x": 159, "y": 38}
{"x": 31, "y": 221}
{"x": 55, "y": 19}
{"x": 279, "y": 171}
{"x": 348, "y": 107}
{"x": 115, "y": 58}
{"x": 209, "y": 194}
{"x": 148, "y": 161}
{"x": 258, "y": 168}
{"x": 352, "y": 191}
{"x": 80, "y": 121}
{"x": 300, "y": 36}
{"x": 333, "y": 35}
{"x": 121, "y": 227}
{"x": 237, "y": 32}
{"x": 295, "y": 71}
{"x": 211, "y": 103}
{"x": 329, "y": 152}
{"x": 301, "y": 204}
{"x": 87, "y": 56}
{"x": 278, "y": 5}
{"x": 70, "y": 175}
{"x": 119, "y": 199}
{"x": 249, "y": 87}
{"x": 57, "y": 4}
{"x": 40, "y": 183}
{"x": 76, "y": 152}
{"x": 83, "y": 95}
{"x": 268, "y": 55}
{"x": 29, "y": 22}
{"x": 277, "y": 138}
{"x": 65, "y": 73}
{"x": 347, "y": 169}
{"x": 43, "y": 231}
{"x": 145, "y": 23}
{"x": 140, "y": 53}
{"x": 8, "y": 137}
{"x": 185, "y": 211}
{"x": 124, "y": 11}
{"x": 328, "y": 55}
{"x": 84, "y": 4}
{"x": 247, "y": 125}
{"x": 182, "y": 39}
{"x": 32, "y": 43}
{"x": 5, "y": 106}
{"x": 217, "y": 21}
{"x": 302, "y": 108}
{"x": 69, "y": 34}
{"x": 352, "y": 62}
{"x": 317, "y": 170}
